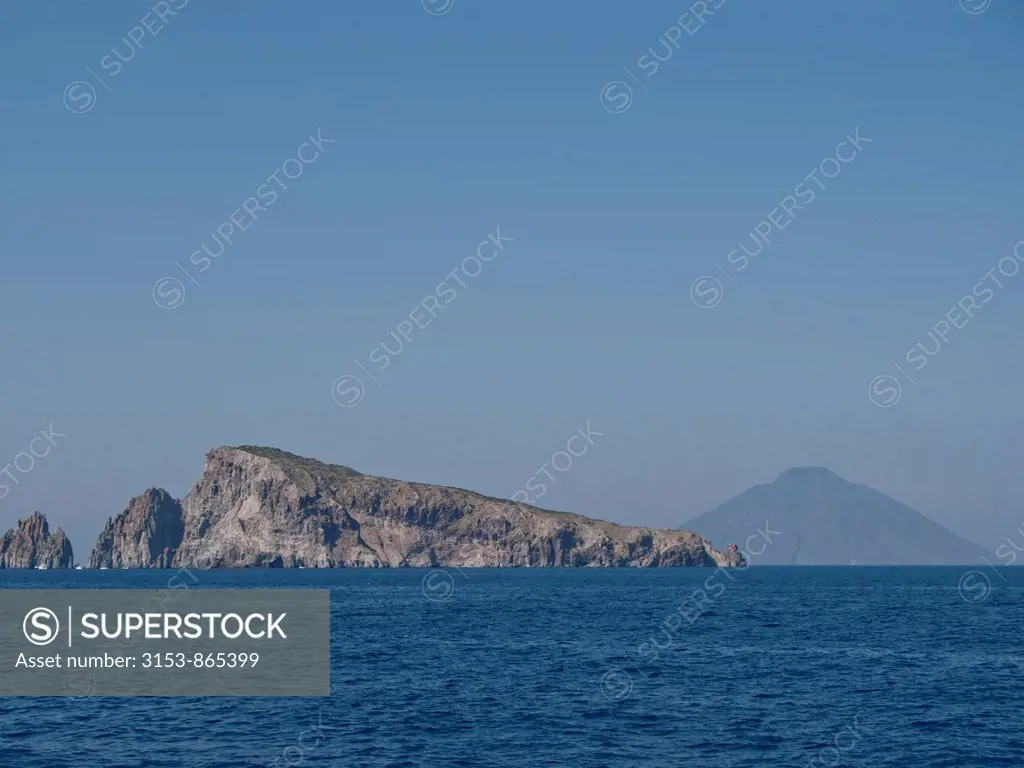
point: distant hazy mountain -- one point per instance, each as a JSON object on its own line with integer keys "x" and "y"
{"x": 818, "y": 518}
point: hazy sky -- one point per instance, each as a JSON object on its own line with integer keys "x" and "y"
{"x": 127, "y": 142}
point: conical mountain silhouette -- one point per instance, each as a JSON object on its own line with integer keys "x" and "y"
{"x": 818, "y": 518}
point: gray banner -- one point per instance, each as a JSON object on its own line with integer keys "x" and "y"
{"x": 141, "y": 642}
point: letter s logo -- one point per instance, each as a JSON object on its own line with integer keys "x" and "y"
{"x": 884, "y": 391}
{"x": 41, "y": 626}
{"x": 707, "y": 291}
{"x": 169, "y": 293}
{"x": 616, "y": 97}
{"x": 79, "y": 97}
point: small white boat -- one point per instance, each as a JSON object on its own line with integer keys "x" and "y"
{"x": 103, "y": 567}
{"x": 42, "y": 567}
{"x": 78, "y": 567}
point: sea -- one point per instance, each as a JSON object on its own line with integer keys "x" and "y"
{"x": 769, "y": 666}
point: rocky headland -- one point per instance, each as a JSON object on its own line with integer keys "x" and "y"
{"x": 262, "y": 507}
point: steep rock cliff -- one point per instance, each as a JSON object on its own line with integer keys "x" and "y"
{"x": 261, "y": 507}
{"x": 145, "y": 535}
{"x": 31, "y": 545}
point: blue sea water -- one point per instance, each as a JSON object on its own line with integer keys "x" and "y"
{"x": 779, "y": 667}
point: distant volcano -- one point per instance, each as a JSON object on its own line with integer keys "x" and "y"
{"x": 822, "y": 519}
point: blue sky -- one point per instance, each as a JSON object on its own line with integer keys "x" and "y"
{"x": 490, "y": 115}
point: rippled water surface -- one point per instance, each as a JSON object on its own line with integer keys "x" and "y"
{"x": 785, "y": 666}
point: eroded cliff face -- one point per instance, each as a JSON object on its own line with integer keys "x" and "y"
{"x": 146, "y": 535}
{"x": 31, "y": 545}
{"x": 261, "y": 507}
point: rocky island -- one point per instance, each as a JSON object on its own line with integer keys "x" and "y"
{"x": 31, "y": 545}
{"x": 262, "y": 507}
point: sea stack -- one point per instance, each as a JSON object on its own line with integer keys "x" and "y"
{"x": 145, "y": 535}
{"x": 31, "y": 545}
